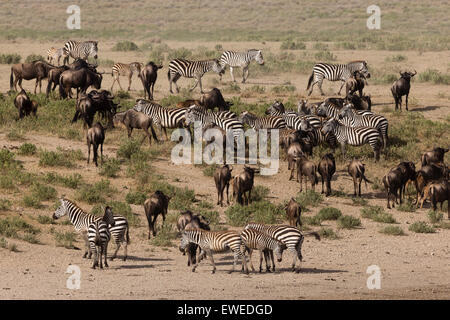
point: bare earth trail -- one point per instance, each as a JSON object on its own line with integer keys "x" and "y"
{"x": 415, "y": 266}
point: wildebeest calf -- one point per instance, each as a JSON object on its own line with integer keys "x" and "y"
{"x": 188, "y": 220}
{"x": 222, "y": 178}
{"x": 132, "y": 119}
{"x": 326, "y": 168}
{"x": 308, "y": 169}
{"x": 155, "y": 205}
{"x": 356, "y": 170}
{"x": 95, "y": 136}
{"x": 438, "y": 192}
{"x": 395, "y": 180}
{"x": 293, "y": 213}
{"x": 25, "y": 105}
{"x": 243, "y": 185}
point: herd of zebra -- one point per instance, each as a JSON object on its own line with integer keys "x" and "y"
{"x": 331, "y": 122}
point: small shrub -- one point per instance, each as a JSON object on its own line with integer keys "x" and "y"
{"x": 164, "y": 236}
{"x": 10, "y": 58}
{"x": 434, "y": 216}
{"x": 15, "y": 227}
{"x": 5, "y": 204}
{"x": 209, "y": 170}
{"x": 45, "y": 220}
{"x": 65, "y": 239}
{"x": 407, "y": 206}
{"x": 309, "y": 198}
{"x": 327, "y": 233}
{"x": 259, "y": 193}
{"x": 260, "y": 211}
{"x": 392, "y": 230}
{"x": 32, "y": 201}
{"x": 128, "y": 148}
{"x": 55, "y": 159}
{"x": 27, "y": 149}
{"x": 125, "y": 46}
{"x": 312, "y": 221}
{"x": 376, "y": 213}
{"x": 292, "y": 45}
{"x": 348, "y": 222}
{"x": 325, "y": 56}
{"x": 16, "y": 135}
{"x": 110, "y": 168}
{"x": 434, "y": 76}
{"x": 421, "y": 227}
{"x": 329, "y": 213}
{"x": 43, "y": 192}
{"x": 96, "y": 193}
{"x": 34, "y": 57}
{"x": 360, "y": 202}
{"x": 136, "y": 197}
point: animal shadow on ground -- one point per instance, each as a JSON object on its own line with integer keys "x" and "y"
{"x": 135, "y": 258}
{"x": 427, "y": 108}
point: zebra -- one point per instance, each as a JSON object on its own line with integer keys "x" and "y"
{"x": 292, "y": 118}
{"x": 350, "y": 118}
{"x": 162, "y": 118}
{"x": 81, "y": 50}
{"x": 191, "y": 69}
{"x": 214, "y": 241}
{"x": 123, "y": 69}
{"x": 255, "y": 240}
{"x": 317, "y": 137}
{"x": 354, "y": 136}
{"x": 55, "y": 54}
{"x": 289, "y": 235}
{"x": 271, "y": 122}
{"x": 99, "y": 236}
{"x": 335, "y": 72}
{"x": 81, "y": 221}
{"x": 240, "y": 60}
{"x": 329, "y": 110}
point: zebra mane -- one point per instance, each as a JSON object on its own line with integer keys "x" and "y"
{"x": 358, "y": 61}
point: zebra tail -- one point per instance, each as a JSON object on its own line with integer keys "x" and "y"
{"x": 128, "y": 235}
{"x": 168, "y": 75}
{"x": 97, "y": 236}
{"x": 11, "y": 79}
{"x": 310, "y": 80}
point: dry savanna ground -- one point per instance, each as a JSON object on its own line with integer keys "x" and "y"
{"x": 45, "y": 158}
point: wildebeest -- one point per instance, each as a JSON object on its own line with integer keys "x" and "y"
{"x": 53, "y": 78}
{"x": 95, "y": 136}
{"x": 326, "y": 168}
{"x": 213, "y": 99}
{"x": 293, "y": 212}
{"x": 359, "y": 103}
{"x": 93, "y": 102}
{"x": 222, "y": 177}
{"x": 356, "y": 170}
{"x": 438, "y": 192}
{"x": 395, "y": 181}
{"x": 434, "y": 156}
{"x": 308, "y": 169}
{"x": 25, "y": 105}
{"x": 27, "y": 71}
{"x": 427, "y": 174}
{"x": 355, "y": 83}
{"x": 148, "y": 75}
{"x": 188, "y": 103}
{"x": 132, "y": 119}
{"x": 243, "y": 185}
{"x": 153, "y": 206}
{"x": 401, "y": 88}
{"x": 80, "y": 79}
{"x": 188, "y": 220}
{"x": 293, "y": 152}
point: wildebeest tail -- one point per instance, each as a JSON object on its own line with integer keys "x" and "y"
{"x": 11, "y": 79}
{"x": 310, "y": 80}
{"x": 62, "y": 92}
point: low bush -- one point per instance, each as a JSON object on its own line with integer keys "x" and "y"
{"x": 392, "y": 230}
{"x": 125, "y": 46}
{"x": 348, "y": 222}
{"x": 421, "y": 227}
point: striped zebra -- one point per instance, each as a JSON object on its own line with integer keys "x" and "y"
{"x": 350, "y": 118}
{"x": 207, "y": 117}
{"x": 162, "y": 118}
{"x": 256, "y": 240}
{"x": 191, "y": 69}
{"x": 82, "y": 50}
{"x": 335, "y": 72}
{"x": 255, "y": 122}
{"x": 317, "y": 137}
{"x": 99, "y": 236}
{"x": 292, "y": 118}
{"x": 290, "y": 236}
{"x": 354, "y": 136}
{"x": 240, "y": 60}
{"x": 55, "y": 54}
{"x": 123, "y": 69}
{"x": 81, "y": 221}
{"x": 214, "y": 241}
{"x": 329, "y": 110}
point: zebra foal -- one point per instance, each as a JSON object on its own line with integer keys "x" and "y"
{"x": 214, "y": 241}
{"x": 99, "y": 236}
{"x": 123, "y": 69}
{"x": 55, "y": 54}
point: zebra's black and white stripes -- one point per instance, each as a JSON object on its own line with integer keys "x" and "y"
{"x": 240, "y": 60}
{"x": 99, "y": 236}
{"x": 214, "y": 241}
{"x": 123, "y": 69}
{"x": 55, "y": 54}
{"x": 81, "y": 50}
{"x": 335, "y": 72}
{"x": 354, "y": 136}
{"x": 191, "y": 69}
{"x": 255, "y": 122}
{"x": 162, "y": 117}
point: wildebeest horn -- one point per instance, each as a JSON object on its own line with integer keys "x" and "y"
{"x": 415, "y": 72}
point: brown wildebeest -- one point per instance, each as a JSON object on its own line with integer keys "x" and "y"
{"x": 438, "y": 191}
{"x": 53, "y": 78}
{"x": 359, "y": 103}
{"x": 188, "y": 220}
{"x": 80, "y": 79}
{"x": 25, "y": 105}
{"x": 95, "y": 101}
{"x": 356, "y": 170}
{"x": 27, "y": 71}
{"x": 222, "y": 177}
{"x": 293, "y": 213}
{"x": 326, "y": 168}
{"x": 427, "y": 174}
{"x": 95, "y": 136}
{"x": 155, "y": 205}
{"x": 148, "y": 76}
{"x": 188, "y": 103}
{"x": 132, "y": 119}
{"x": 293, "y": 152}
{"x": 434, "y": 156}
{"x": 395, "y": 180}
{"x": 401, "y": 88}
{"x": 355, "y": 83}
{"x": 308, "y": 169}
{"x": 213, "y": 99}
{"x": 243, "y": 185}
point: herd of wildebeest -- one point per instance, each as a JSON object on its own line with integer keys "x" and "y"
{"x": 333, "y": 121}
